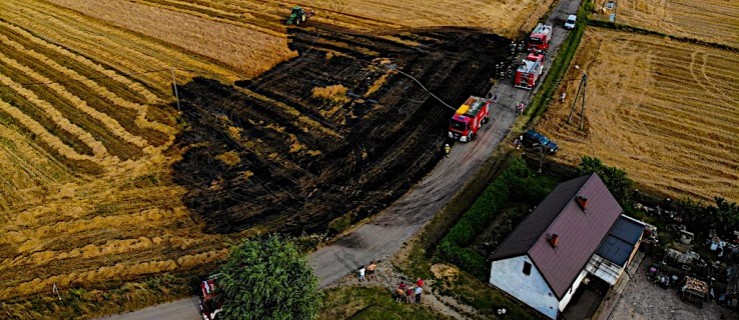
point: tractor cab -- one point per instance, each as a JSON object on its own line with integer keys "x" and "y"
{"x": 298, "y": 16}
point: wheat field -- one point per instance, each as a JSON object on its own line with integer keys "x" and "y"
{"x": 504, "y": 17}
{"x": 87, "y": 127}
{"x": 86, "y": 135}
{"x": 665, "y": 111}
{"x": 708, "y": 20}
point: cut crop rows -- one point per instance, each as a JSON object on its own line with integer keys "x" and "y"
{"x": 109, "y": 46}
{"x": 86, "y": 132}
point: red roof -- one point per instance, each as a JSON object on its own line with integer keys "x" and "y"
{"x": 579, "y": 232}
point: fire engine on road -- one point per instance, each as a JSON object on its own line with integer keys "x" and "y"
{"x": 529, "y": 71}
{"x": 539, "y": 38}
{"x": 469, "y": 118}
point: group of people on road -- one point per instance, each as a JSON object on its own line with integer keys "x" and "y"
{"x": 404, "y": 293}
{"x": 368, "y": 272}
{"x": 409, "y": 293}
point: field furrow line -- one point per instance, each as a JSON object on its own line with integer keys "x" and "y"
{"x": 34, "y": 239}
{"x": 111, "y": 247}
{"x": 58, "y": 30}
{"x": 31, "y": 160}
{"x": 112, "y": 74}
{"x": 97, "y": 147}
{"x": 112, "y": 124}
{"x": 119, "y": 271}
{"x": 48, "y": 138}
{"x": 141, "y": 119}
{"x": 128, "y": 52}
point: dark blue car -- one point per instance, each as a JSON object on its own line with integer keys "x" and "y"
{"x": 533, "y": 139}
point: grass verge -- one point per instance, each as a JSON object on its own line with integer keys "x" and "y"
{"x": 479, "y": 295}
{"x": 79, "y": 302}
{"x": 370, "y": 303}
{"x": 540, "y": 102}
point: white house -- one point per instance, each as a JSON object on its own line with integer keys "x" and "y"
{"x": 576, "y": 232}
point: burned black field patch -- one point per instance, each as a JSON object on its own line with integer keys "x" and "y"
{"x": 330, "y": 133}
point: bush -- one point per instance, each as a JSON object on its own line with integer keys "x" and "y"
{"x": 465, "y": 258}
{"x": 474, "y": 221}
{"x": 268, "y": 278}
{"x": 617, "y": 181}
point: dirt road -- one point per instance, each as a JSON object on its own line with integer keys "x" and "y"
{"x": 384, "y": 235}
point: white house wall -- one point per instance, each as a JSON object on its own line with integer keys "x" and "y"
{"x": 531, "y": 289}
{"x": 568, "y": 296}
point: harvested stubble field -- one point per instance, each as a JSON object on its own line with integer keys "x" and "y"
{"x": 504, "y": 17}
{"x": 103, "y": 192}
{"x": 714, "y": 21}
{"x": 86, "y": 141}
{"x": 665, "y": 111}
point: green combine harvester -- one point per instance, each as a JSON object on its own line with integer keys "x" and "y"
{"x": 298, "y": 16}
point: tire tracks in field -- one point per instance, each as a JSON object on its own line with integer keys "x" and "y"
{"x": 715, "y": 92}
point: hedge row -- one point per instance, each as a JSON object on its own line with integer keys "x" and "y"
{"x": 632, "y": 29}
{"x": 483, "y": 210}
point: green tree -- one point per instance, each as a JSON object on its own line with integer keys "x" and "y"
{"x": 617, "y": 181}
{"x": 727, "y": 213}
{"x": 268, "y": 278}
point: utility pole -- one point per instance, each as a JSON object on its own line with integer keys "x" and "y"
{"x": 582, "y": 88}
{"x": 542, "y": 155}
{"x": 176, "y": 94}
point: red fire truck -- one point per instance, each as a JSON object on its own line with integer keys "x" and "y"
{"x": 529, "y": 71}
{"x": 210, "y": 304}
{"x": 539, "y": 38}
{"x": 469, "y": 118}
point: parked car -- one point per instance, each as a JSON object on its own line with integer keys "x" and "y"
{"x": 533, "y": 139}
{"x": 570, "y": 22}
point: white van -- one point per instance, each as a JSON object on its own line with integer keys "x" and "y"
{"x": 570, "y": 22}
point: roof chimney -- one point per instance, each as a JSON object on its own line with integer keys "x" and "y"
{"x": 554, "y": 240}
{"x": 582, "y": 202}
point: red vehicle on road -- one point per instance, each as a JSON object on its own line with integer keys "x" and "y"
{"x": 210, "y": 304}
{"x": 529, "y": 71}
{"x": 539, "y": 39}
{"x": 469, "y": 118}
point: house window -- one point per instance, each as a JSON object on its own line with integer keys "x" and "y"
{"x": 526, "y": 268}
